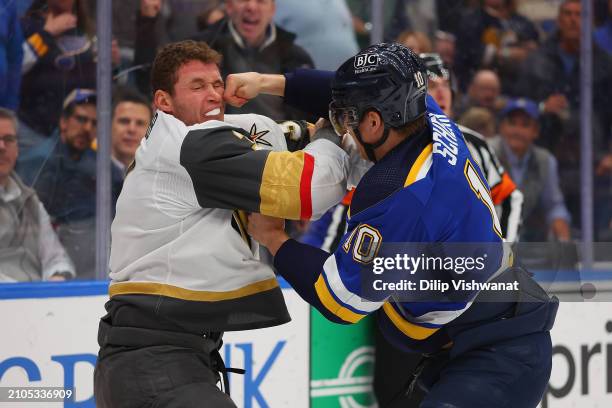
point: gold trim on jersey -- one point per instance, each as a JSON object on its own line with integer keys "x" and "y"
{"x": 162, "y": 289}
{"x": 280, "y": 185}
{"x": 418, "y": 163}
{"x": 242, "y": 222}
{"x": 409, "y": 329}
{"x": 334, "y": 307}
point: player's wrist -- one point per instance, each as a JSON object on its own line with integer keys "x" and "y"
{"x": 276, "y": 241}
{"x": 272, "y": 84}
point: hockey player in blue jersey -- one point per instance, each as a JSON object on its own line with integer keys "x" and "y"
{"x": 423, "y": 188}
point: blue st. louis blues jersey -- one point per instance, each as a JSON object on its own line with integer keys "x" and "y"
{"x": 426, "y": 190}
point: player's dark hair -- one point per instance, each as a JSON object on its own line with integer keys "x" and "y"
{"x": 174, "y": 55}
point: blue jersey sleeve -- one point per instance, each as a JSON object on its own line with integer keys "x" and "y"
{"x": 309, "y": 90}
{"x": 339, "y": 284}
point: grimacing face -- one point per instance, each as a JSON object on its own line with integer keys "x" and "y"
{"x": 8, "y": 150}
{"x": 198, "y": 94}
{"x": 251, "y": 18}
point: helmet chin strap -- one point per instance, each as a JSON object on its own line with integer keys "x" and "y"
{"x": 370, "y": 147}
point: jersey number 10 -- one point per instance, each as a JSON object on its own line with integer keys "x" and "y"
{"x": 482, "y": 192}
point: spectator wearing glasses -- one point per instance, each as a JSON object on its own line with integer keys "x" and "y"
{"x": 29, "y": 248}
{"x": 63, "y": 173}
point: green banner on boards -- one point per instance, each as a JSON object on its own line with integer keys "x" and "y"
{"x": 341, "y": 363}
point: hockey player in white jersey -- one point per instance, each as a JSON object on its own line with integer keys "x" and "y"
{"x": 183, "y": 269}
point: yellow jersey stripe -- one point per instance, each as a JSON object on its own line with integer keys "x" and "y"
{"x": 409, "y": 329}
{"x": 330, "y": 303}
{"x": 280, "y": 185}
{"x": 416, "y": 167}
{"x": 162, "y": 289}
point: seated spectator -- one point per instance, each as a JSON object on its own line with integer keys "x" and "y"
{"x": 63, "y": 173}
{"x": 250, "y": 41}
{"x": 415, "y": 40}
{"x": 11, "y": 54}
{"x": 323, "y": 28}
{"x": 534, "y": 170}
{"x": 29, "y": 248}
{"x": 551, "y": 77}
{"x": 131, "y": 117}
{"x": 484, "y": 92}
{"x": 444, "y": 45}
{"x": 59, "y": 56}
{"x": 479, "y": 119}
{"x": 139, "y": 31}
{"x": 494, "y": 36}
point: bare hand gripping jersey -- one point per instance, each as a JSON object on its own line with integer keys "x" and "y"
{"x": 180, "y": 256}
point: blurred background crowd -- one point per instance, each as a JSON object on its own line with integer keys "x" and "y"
{"x": 514, "y": 75}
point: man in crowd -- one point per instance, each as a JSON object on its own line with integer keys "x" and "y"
{"x": 131, "y": 117}
{"x": 534, "y": 169}
{"x": 551, "y": 77}
{"x": 484, "y": 91}
{"x": 250, "y": 41}
{"x": 29, "y": 248}
{"x": 62, "y": 170}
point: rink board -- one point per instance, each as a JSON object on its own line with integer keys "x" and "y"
{"x": 49, "y": 339}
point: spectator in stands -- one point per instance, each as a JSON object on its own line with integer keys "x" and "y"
{"x": 415, "y": 40}
{"x": 494, "y": 36}
{"x": 58, "y": 57}
{"x": 214, "y": 13}
{"x": 65, "y": 179}
{"x": 29, "y": 248}
{"x": 182, "y": 17}
{"x": 551, "y": 76}
{"x": 534, "y": 170}
{"x": 484, "y": 91}
{"x": 324, "y": 29}
{"x": 139, "y": 30}
{"x": 250, "y": 41}
{"x": 444, "y": 45}
{"x": 11, "y": 55}
{"x": 131, "y": 117}
{"x": 479, "y": 119}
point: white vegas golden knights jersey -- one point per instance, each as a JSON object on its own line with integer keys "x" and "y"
{"x": 180, "y": 255}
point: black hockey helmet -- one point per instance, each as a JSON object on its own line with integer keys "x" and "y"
{"x": 436, "y": 68}
{"x": 388, "y": 78}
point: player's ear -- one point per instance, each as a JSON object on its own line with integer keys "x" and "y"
{"x": 163, "y": 101}
{"x": 374, "y": 121}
